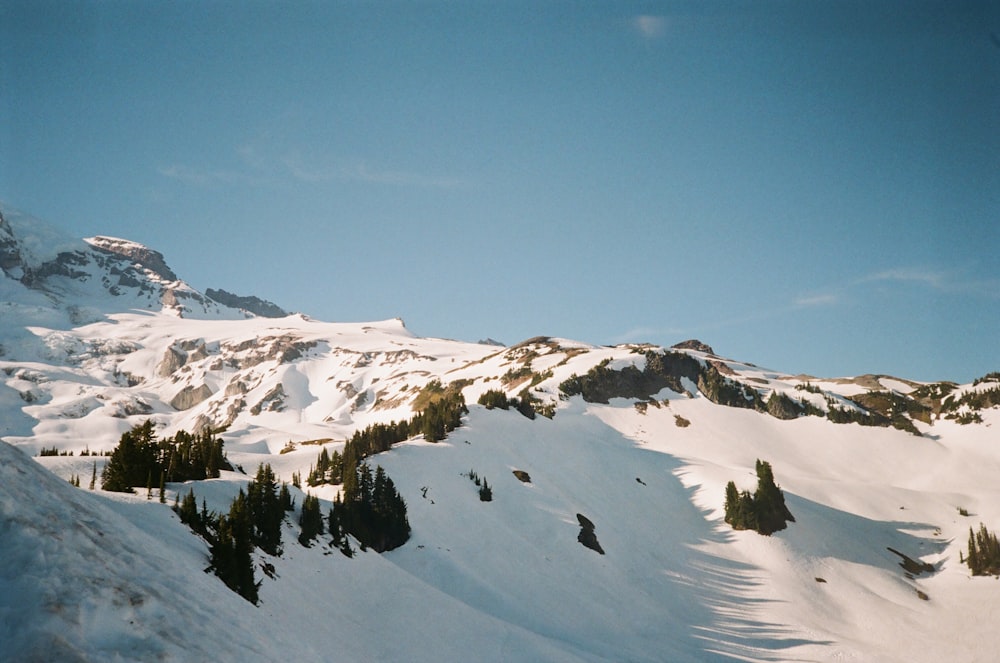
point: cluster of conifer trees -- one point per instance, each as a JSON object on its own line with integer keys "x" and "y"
{"x": 311, "y": 520}
{"x": 371, "y": 510}
{"x": 254, "y": 521}
{"x": 485, "y": 491}
{"x": 140, "y": 458}
{"x": 439, "y": 418}
{"x": 526, "y": 403}
{"x": 369, "y": 507}
{"x": 764, "y": 511}
{"x": 493, "y": 398}
{"x": 984, "y": 552}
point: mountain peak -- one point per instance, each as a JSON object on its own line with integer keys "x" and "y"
{"x": 138, "y": 253}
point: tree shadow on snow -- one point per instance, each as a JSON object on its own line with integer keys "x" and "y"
{"x": 723, "y": 613}
{"x": 823, "y": 531}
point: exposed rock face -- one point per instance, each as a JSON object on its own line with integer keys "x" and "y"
{"x": 273, "y": 401}
{"x": 255, "y": 305}
{"x": 131, "y": 406}
{"x": 18, "y": 265}
{"x": 601, "y": 383}
{"x": 173, "y": 359}
{"x": 587, "y": 536}
{"x": 190, "y": 396}
{"x": 236, "y": 387}
{"x": 251, "y": 352}
{"x": 694, "y": 344}
{"x": 10, "y": 257}
{"x": 137, "y": 253}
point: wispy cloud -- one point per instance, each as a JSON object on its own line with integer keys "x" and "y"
{"x": 400, "y": 178}
{"x": 813, "y": 301}
{"x": 836, "y": 295}
{"x": 650, "y": 27}
{"x": 645, "y": 334}
{"x": 941, "y": 281}
{"x": 934, "y": 279}
{"x": 200, "y": 177}
{"x": 361, "y": 172}
{"x": 914, "y": 277}
{"x": 262, "y": 163}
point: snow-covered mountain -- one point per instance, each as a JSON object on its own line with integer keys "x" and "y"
{"x": 99, "y": 335}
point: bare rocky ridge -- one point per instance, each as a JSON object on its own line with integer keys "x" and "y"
{"x": 255, "y": 305}
{"x": 136, "y": 253}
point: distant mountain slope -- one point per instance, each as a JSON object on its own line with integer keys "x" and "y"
{"x": 53, "y": 278}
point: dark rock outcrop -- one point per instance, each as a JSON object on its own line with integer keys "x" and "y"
{"x": 587, "y": 536}
{"x": 694, "y": 344}
{"x": 255, "y": 305}
{"x": 602, "y": 383}
{"x": 136, "y": 253}
{"x": 190, "y": 396}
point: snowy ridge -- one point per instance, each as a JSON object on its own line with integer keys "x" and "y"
{"x": 637, "y": 439}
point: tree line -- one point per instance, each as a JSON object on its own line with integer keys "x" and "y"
{"x": 140, "y": 458}
{"x": 434, "y": 422}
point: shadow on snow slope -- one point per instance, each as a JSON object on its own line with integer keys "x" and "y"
{"x": 822, "y": 531}
{"x": 659, "y": 592}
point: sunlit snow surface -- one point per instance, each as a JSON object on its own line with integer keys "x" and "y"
{"x": 505, "y": 579}
{"x": 94, "y": 576}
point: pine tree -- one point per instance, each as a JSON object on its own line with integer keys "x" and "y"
{"x": 372, "y": 511}
{"x": 285, "y": 498}
{"x": 163, "y": 487}
{"x": 732, "y": 505}
{"x": 764, "y": 511}
{"x": 973, "y": 558}
{"x": 266, "y": 512}
{"x": 231, "y": 553}
{"x": 93, "y": 477}
{"x": 188, "y": 513}
{"x": 769, "y": 502}
{"x": 311, "y": 520}
{"x": 485, "y": 492}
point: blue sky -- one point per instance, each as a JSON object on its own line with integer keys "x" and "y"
{"x": 810, "y": 186}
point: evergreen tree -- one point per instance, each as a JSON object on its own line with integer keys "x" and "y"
{"x": 493, "y": 398}
{"x": 93, "y": 477}
{"x": 266, "y": 512}
{"x": 732, "y": 504}
{"x": 975, "y": 565}
{"x": 769, "y": 502}
{"x": 188, "y": 513}
{"x": 311, "y": 520}
{"x": 764, "y": 511}
{"x": 372, "y": 511}
{"x": 232, "y": 550}
{"x": 285, "y": 498}
{"x": 984, "y": 552}
{"x": 128, "y": 461}
{"x": 163, "y": 487}
{"x": 184, "y": 457}
{"x": 485, "y": 492}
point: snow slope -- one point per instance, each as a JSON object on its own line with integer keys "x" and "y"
{"x": 98, "y": 576}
